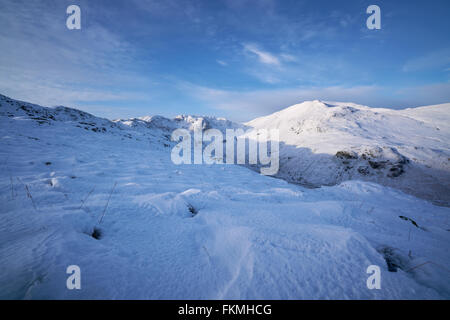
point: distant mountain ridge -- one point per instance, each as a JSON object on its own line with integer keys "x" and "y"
{"x": 321, "y": 143}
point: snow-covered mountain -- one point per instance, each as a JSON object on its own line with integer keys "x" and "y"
{"x": 325, "y": 143}
{"x": 104, "y": 195}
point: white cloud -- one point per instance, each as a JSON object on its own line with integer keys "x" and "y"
{"x": 271, "y": 68}
{"x": 44, "y": 62}
{"x": 425, "y": 95}
{"x": 263, "y": 56}
{"x": 288, "y": 57}
{"x": 432, "y": 60}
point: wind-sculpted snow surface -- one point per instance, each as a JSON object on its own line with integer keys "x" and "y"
{"x": 326, "y": 143}
{"x": 194, "y": 231}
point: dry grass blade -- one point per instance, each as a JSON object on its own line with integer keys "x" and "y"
{"x": 28, "y": 194}
{"x": 12, "y": 187}
{"x": 84, "y": 201}
{"x": 107, "y": 203}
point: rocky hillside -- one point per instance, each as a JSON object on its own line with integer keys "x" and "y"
{"x": 325, "y": 143}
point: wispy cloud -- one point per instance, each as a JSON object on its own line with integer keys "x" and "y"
{"x": 263, "y": 56}
{"x": 272, "y": 68}
{"x": 44, "y": 62}
{"x": 288, "y": 57}
{"x": 222, "y": 63}
{"x": 268, "y": 58}
{"x": 433, "y": 60}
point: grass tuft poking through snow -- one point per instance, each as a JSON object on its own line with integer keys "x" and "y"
{"x": 96, "y": 233}
{"x": 192, "y": 210}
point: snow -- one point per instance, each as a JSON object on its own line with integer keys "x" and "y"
{"x": 326, "y": 143}
{"x": 195, "y": 231}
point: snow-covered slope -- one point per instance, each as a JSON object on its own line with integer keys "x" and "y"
{"x": 79, "y": 190}
{"x": 325, "y": 143}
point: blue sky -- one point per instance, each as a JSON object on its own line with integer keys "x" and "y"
{"x": 233, "y": 58}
